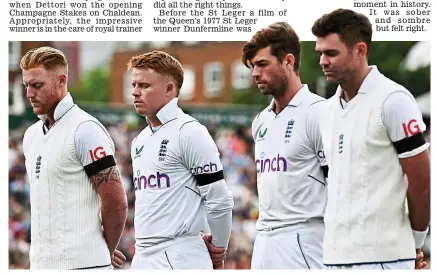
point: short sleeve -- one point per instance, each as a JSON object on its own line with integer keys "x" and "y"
{"x": 403, "y": 120}
{"x": 200, "y": 154}
{"x": 92, "y": 142}
{"x": 313, "y": 130}
{"x": 254, "y": 126}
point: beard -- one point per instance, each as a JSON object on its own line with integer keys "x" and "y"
{"x": 277, "y": 85}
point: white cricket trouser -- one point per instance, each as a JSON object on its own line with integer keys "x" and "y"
{"x": 110, "y": 267}
{"x": 410, "y": 264}
{"x": 182, "y": 253}
{"x": 293, "y": 247}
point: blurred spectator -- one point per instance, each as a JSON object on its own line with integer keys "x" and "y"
{"x": 236, "y": 149}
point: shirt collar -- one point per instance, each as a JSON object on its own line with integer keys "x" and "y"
{"x": 297, "y": 99}
{"x": 169, "y": 112}
{"x": 367, "y": 85}
{"x": 63, "y": 106}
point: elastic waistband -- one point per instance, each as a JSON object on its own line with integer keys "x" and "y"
{"x": 302, "y": 227}
{"x": 159, "y": 248}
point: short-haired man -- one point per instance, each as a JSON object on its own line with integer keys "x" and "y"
{"x": 289, "y": 155}
{"x": 372, "y": 136}
{"x": 177, "y": 172}
{"x": 78, "y": 203}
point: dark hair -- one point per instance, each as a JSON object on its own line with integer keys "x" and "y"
{"x": 282, "y": 40}
{"x": 352, "y": 27}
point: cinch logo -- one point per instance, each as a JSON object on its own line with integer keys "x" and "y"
{"x": 160, "y": 180}
{"x": 211, "y": 167}
{"x": 411, "y": 128}
{"x": 270, "y": 165}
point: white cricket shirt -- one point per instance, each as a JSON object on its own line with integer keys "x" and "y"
{"x": 365, "y": 219}
{"x": 65, "y": 208}
{"x": 169, "y": 165}
{"x": 289, "y": 155}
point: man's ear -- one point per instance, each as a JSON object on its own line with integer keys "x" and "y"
{"x": 62, "y": 78}
{"x": 289, "y": 60}
{"x": 170, "y": 88}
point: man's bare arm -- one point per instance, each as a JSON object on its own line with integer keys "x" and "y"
{"x": 417, "y": 168}
{"x": 114, "y": 204}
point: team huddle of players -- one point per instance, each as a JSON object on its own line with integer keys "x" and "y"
{"x": 330, "y": 173}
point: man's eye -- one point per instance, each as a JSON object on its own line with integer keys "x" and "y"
{"x": 37, "y": 85}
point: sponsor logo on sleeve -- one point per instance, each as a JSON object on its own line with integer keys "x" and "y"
{"x": 205, "y": 169}
{"x": 411, "y": 128}
{"x": 97, "y": 153}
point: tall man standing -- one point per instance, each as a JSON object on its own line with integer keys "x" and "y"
{"x": 372, "y": 135}
{"x": 178, "y": 175}
{"x": 78, "y": 203}
{"x": 289, "y": 155}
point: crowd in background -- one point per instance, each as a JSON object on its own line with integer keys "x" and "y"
{"x": 236, "y": 150}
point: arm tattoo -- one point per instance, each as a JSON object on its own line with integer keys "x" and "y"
{"x": 109, "y": 174}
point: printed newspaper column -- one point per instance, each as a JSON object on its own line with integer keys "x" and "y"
{"x": 219, "y": 16}
{"x": 397, "y": 16}
{"x": 76, "y": 16}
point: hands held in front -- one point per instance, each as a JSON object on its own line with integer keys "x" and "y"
{"x": 118, "y": 259}
{"x": 420, "y": 263}
{"x": 217, "y": 254}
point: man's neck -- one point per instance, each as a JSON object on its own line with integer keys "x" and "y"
{"x": 51, "y": 115}
{"x": 281, "y": 101}
{"x": 351, "y": 86}
{"x": 153, "y": 121}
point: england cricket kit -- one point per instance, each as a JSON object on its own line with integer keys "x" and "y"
{"x": 291, "y": 185}
{"x": 66, "y": 230}
{"x": 365, "y": 219}
{"x": 178, "y": 179}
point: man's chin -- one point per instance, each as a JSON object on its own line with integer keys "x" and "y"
{"x": 265, "y": 92}
{"x": 38, "y": 111}
{"x": 332, "y": 79}
{"x": 141, "y": 112}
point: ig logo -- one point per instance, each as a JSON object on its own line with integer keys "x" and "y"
{"x": 97, "y": 153}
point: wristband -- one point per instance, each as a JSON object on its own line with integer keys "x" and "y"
{"x": 419, "y": 237}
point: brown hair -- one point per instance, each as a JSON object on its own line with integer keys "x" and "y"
{"x": 352, "y": 27}
{"x": 48, "y": 57}
{"x": 282, "y": 40}
{"x": 162, "y": 63}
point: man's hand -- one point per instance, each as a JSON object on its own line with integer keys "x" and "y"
{"x": 217, "y": 254}
{"x": 420, "y": 263}
{"x": 118, "y": 259}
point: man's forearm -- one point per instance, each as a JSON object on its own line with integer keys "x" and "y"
{"x": 418, "y": 173}
{"x": 114, "y": 204}
{"x": 113, "y": 221}
{"x": 218, "y": 206}
{"x": 419, "y": 208}
{"x": 220, "y": 225}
